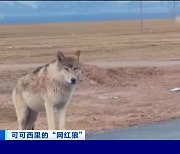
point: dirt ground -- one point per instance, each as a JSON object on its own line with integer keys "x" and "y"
{"x": 127, "y": 74}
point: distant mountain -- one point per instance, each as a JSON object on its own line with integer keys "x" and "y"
{"x": 15, "y": 8}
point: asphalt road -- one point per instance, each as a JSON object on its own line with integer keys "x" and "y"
{"x": 158, "y": 131}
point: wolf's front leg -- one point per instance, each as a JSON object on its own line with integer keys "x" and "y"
{"x": 50, "y": 113}
{"x": 62, "y": 117}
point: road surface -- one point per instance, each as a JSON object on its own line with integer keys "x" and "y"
{"x": 158, "y": 131}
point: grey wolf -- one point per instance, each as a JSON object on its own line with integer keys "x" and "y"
{"x": 48, "y": 87}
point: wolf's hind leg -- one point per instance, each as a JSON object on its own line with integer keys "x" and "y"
{"x": 21, "y": 108}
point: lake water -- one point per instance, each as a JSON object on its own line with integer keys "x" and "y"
{"x": 53, "y": 18}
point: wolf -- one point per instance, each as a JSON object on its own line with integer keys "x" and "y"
{"x": 46, "y": 88}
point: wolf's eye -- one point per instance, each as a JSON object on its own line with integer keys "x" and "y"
{"x": 76, "y": 68}
{"x": 67, "y": 69}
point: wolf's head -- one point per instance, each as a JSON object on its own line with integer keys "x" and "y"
{"x": 69, "y": 68}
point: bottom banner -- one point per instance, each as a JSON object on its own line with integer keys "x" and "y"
{"x": 42, "y": 135}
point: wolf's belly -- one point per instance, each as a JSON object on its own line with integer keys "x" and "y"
{"x": 34, "y": 101}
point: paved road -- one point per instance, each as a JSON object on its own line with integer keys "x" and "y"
{"x": 164, "y": 130}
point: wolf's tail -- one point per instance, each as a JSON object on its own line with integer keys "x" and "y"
{"x": 175, "y": 90}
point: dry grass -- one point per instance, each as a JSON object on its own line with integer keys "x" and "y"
{"x": 27, "y": 43}
{"x": 143, "y": 93}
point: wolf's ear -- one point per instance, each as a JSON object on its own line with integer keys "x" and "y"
{"x": 77, "y": 54}
{"x": 60, "y": 56}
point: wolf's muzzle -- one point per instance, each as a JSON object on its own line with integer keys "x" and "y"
{"x": 73, "y": 80}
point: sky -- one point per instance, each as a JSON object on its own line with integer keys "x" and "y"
{"x": 105, "y": 9}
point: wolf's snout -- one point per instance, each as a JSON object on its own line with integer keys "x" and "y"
{"x": 73, "y": 80}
